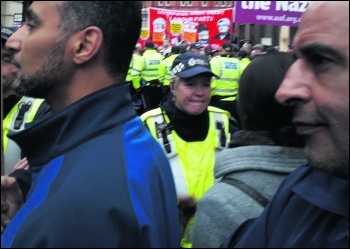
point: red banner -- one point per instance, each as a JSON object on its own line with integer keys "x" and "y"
{"x": 209, "y": 27}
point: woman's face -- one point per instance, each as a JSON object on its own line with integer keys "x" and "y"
{"x": 192, "y": 95}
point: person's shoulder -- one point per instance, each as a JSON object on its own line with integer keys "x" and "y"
{"x": 43, "y": 110}
{"x": 170, "y": 57}
{"x": 137, "y": 57}
{"x": 215, "y": 59}
{"x": 39, "y": 106}
{"x": 232, "y": 58}
{"x": 150, "y": 114}
{"x": 218, "y": 110}
{"x": 296, "y": 176}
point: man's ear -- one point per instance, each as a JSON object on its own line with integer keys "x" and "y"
{"x": 87, "y": 44}
{"x": 172, "y": 86}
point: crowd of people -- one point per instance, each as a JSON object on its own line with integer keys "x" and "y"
{"x": 150, "y": 71}
{"x": 173, "y": 146}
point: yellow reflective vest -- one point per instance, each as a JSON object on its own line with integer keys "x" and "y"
{"x": 23, "y": 112}
{"x": 132, "y": 72}
{"x": 244, "y": 62}
{"x": 147, "y": 68}
{"x": 227, "y": 69}
{"x": 165, "y": 69}
{"x": 192, "y": 163}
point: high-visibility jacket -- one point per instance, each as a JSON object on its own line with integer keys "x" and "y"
{"x": 22, "y": 112}
{"x": 192, "y": 163}
{"x": 243, "y": 63}
{"x": 147, "y": 68}
{"x": 165, "y": 69}
{"x": 227, "y": 69}
{"x": 132, "y": 72}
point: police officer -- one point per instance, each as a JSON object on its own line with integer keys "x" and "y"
{"x": 135, "y": 84}
{"x": 17, "y": 110}
{"x": 244, "y": 60}
{"x": 165, "y": 71}
{"x": 224, "y": 88}
{"x": 145, "y": 77}
{"x": 189, "y": 131}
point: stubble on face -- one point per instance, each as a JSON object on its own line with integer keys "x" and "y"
{"x": 41, "y": 83}
{"x": 327, "y": 142}
{"x": 328, "y": 149}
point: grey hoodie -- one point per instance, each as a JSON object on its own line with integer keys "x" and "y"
{"x": 224, "y": 207}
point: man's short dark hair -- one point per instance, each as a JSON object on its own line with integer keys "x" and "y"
{"x": 120, "y": 22}
{"x": 196, "y": 45}
{"x": 259, "y": 47}
{"x": 149, "y": 44}
{"x": 227, "y": 46}
{"x": 175, "y": 49}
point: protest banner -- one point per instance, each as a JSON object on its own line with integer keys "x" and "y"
{"x": 209, "y": 27}
{"x": 280, "y": 13}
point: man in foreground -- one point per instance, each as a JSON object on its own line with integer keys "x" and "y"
{"x": 98, "y": 177}
{"x": 311, "y": 207}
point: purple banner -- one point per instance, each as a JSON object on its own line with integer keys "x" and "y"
{"x": 281, "y": 13}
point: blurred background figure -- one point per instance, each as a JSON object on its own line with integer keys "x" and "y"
{"x": 257, "y": 50}
{"x": 165, "y": 71}
{"x": 225, "y": 87}
{"x": 145, "y": 78}
{"x": 196, "y": 47}
{"x": 166, "y": 49}
{"x": 244, "y": 60}
{"x": 135, "y": 84}
{"x": 247, "y": 47}
{"x": 259, "y": 158}
{"x": 17, "y": 110}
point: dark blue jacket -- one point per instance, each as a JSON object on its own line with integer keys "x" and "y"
{"x": 310, "y": 210}
{"x": 99, "y": 179}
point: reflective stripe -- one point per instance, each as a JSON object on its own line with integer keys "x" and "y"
{"x": 135, "y": 70}
{"x": 179, "y": 178}
{"x": 234, "y": 91}
{"x": 229, "y": 98}
{"x": 151, "y": 69}
{"x": 229, "y": 79}
{"x": 224, "y": 92}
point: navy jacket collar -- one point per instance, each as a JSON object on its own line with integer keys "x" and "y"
{"x": 325, "y": 191}
{"x": 56, "y": 133}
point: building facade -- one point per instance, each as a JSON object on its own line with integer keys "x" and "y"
{"x": 11, "y": 13}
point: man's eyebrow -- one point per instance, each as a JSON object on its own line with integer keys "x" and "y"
{"x": 30, "y": 15}
{"x": 311, "y": 49}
